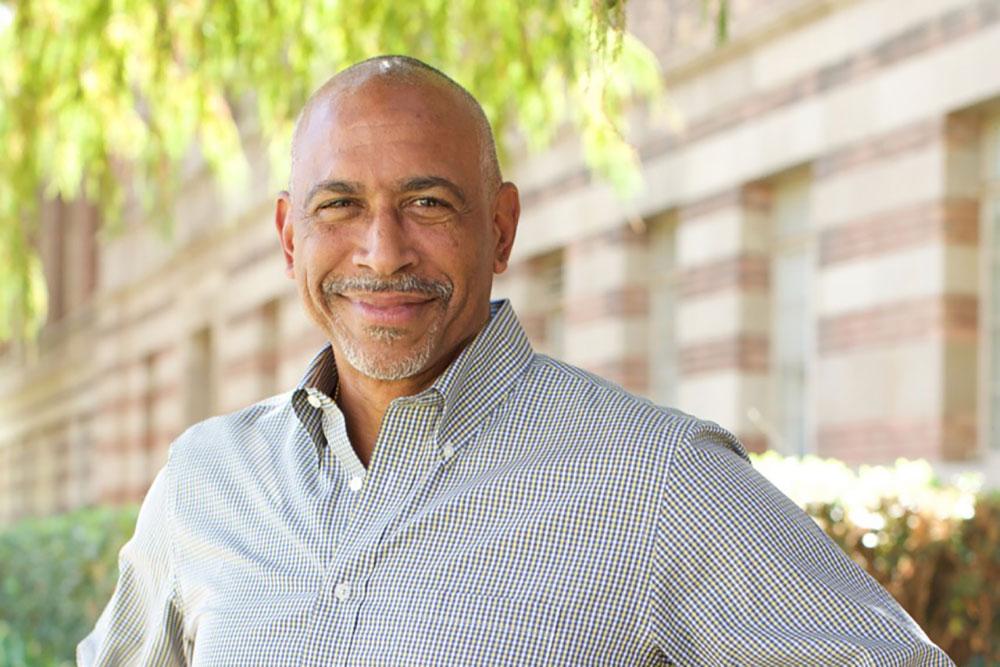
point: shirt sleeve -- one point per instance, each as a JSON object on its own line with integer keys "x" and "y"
{"x": 142, "y": 624}
{"x": 741, "y": 575}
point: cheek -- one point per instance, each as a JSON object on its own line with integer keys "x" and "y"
{"x": 462, "y": 252}
{"x": 321, "y": 254}
{"x": 310, "y": 269}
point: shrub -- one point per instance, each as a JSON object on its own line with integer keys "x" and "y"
{"x": 56, "y": 575}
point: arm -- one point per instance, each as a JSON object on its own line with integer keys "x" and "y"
{"x": 743, "y": 576}
{"x": 142, "y": 624}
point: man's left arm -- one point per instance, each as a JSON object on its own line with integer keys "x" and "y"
{"x": 743, "y": 576}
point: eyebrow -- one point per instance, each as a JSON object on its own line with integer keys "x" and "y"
{"x": 415, "y": 184}
{"x": 341, "y": 187}
{"x": 419, "y": 183}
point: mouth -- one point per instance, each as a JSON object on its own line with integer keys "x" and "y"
{"x": 389, "y": 309}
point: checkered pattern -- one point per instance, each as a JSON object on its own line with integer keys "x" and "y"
{"x": 518, "y": 512}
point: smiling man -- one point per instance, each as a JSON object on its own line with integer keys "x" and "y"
{"x": 395, "y": 222}
{"x": 434, "y": 492}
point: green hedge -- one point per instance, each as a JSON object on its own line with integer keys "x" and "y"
{"x": 56, "y": 574}
{"x": 934, "y": 546}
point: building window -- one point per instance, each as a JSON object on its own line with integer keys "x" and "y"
{"x": 270, "y": 347}
{"x": 68, "y": 247}
{"x": 663, "y": 280}
{"x": 80, "y": 459}
{"x": 200, "y": 393}
{"x": 792, "y": 317}
{"x": 53, "y": 252}
{"x": 990, "y": 309}
{"x": 548, "y": 279}
{"x": 150, "y": 426}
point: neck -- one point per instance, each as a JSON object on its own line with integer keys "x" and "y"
{"x": 364, "y": 400}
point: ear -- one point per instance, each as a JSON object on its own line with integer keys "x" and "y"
{"x": 282, "y": 220}
{"x": 505, "y": 216}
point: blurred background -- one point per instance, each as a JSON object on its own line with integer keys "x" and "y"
{"x": 812, "y": 260}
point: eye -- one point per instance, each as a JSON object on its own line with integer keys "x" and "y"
{"x": 335, "y": 203}
{"x": 429, "y": 202}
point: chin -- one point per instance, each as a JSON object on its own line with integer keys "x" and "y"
{"x": 392, "y": 360}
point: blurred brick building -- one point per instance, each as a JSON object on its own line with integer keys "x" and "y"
{"x": 815, "y": 263}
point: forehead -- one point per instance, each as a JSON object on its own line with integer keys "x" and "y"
{"x": 386, "y": 130}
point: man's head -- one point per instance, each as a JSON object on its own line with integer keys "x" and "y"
{"x": 405, "y": 70}
{"x": 396, "y": 218}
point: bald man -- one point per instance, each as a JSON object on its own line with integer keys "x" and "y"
{"x": 433, "y": 492}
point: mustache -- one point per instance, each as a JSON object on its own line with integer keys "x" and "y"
{"x": 406, "y": 283}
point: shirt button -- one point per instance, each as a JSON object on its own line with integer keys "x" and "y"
{"x": 314, "y": 401}
{"x": 342, "y": 591}
{"x": 354, "y": 484}
{"x": 447, "y": 451}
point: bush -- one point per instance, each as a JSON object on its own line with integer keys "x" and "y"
{"x": 56, "y": 575}
{"x": 934, "y": 546}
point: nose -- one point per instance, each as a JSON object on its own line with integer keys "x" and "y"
{"x": 385, "y": 246}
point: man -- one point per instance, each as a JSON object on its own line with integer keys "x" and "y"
{"x": 433, "y": 492}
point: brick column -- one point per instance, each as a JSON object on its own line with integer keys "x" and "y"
{"x": 723, "y": 310}
{"x": 606, "y": 307}
{"x": 897, "y": 303}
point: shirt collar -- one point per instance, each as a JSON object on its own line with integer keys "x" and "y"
{"x": 470, "y": 386}
{"x": 482, "y": 375}
{"x": 320, "y": 379}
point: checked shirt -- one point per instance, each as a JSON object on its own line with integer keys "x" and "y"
{"x": 520, "y": 511}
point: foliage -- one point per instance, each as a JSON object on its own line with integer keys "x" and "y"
{"x": 934, "y": 546}
{"x": 97, "y": 94}
{"x": 56, "y": 574}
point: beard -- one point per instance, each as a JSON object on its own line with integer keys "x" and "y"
{"x": 381, "y": 363}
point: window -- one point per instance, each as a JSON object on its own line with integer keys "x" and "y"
{"x": 200, "y": 395}
{"x": 792, "y": 318}
{"x": 69, "y": 251}
{"x": 990, "y": 309}
{"x": 151, "y": 461}
{"x": 270, "y": 347}
{"x": 663, "y": 280}
{"x": 548, "y": 278}
{"x": 53, "y": 240}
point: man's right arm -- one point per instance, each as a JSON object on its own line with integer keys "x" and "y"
{"x": 143, "y": 622}
{"x": 743, "y": 576}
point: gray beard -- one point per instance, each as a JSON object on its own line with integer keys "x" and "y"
{"x": 374, "y": 365}
{"x": 371, "y": 363}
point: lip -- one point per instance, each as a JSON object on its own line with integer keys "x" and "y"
{"x": 387, "y": 308}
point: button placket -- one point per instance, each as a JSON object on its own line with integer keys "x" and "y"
{"x": 374, "y": 507}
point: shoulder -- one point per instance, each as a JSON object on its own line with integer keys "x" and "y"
{"x": 564, "y": 396}
{"x": 237, "y": 431}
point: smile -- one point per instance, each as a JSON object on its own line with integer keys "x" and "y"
{"x": 388, "y": 309}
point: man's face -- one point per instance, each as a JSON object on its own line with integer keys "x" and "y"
{"x": 390, "y": 231}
